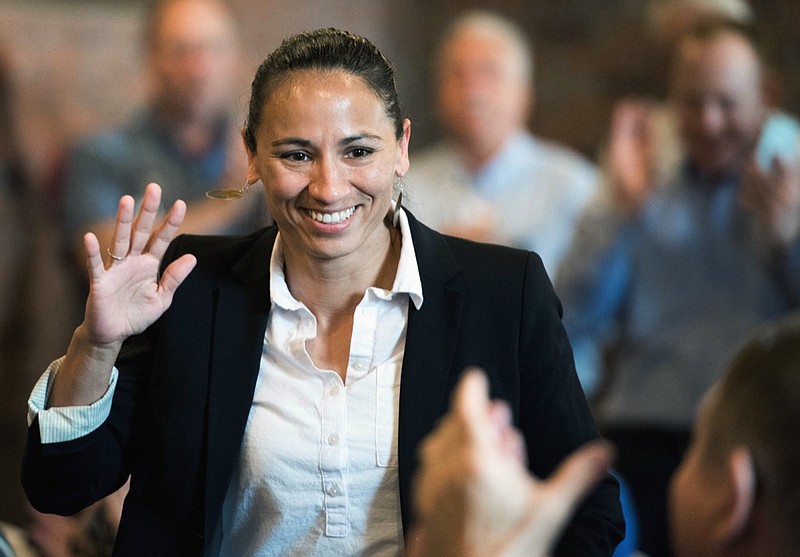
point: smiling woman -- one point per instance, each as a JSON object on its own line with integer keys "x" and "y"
{"x": 268, "y": 393}
{"x": 328, "y": 163}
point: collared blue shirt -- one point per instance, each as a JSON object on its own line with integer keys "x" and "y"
{"x": 532, "y": 192}
{"x": 674, "y": 291}
{"x": 103, "y": 168}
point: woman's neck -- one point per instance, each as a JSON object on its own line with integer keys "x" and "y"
{"x": 333, "y": 288}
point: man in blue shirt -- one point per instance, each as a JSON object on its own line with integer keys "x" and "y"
{"x": 677, "y": 263}
{"x": 185, "y": 139}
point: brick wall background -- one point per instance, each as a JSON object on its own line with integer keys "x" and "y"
{"x": 77, "y": 67}
{"x": 588, "y": 54}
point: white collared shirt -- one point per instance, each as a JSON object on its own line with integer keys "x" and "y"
{"x": 317, "y": 473}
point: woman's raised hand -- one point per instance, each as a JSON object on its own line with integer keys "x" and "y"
{"x": 125, "y": 293}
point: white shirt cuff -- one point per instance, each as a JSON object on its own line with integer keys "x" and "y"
{"x": 66, "y": 423}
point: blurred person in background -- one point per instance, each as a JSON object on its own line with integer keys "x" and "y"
{"x": 15, "y": 258}
{"x": 186, "y": 138}
{"x": 679, "y": 259}
{"x": 669, "y": 19}
{"x": 490, "y": 179}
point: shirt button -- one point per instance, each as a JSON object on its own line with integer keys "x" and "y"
{"x": 334, "y": 490}
{"x": 334, "y": 390}
{"x": 358, "y": 366}
{"x": 333, "y": 439}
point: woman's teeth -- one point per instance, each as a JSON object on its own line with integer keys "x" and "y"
{"x": 332, "y": 218}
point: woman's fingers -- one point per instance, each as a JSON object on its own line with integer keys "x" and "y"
{"x": 138, "y": 236}
{"x": 143, "y": 225}
{"x": 174, "y": 275}
{"x": 121, "y": 243}
{"x": 94, "y": 259}
{"x": 166, "y": 231}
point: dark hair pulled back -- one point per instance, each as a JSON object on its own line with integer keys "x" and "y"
{"x": 327, "y": 50}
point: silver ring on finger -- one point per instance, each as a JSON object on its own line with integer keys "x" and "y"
{"x": 115, "y": 257}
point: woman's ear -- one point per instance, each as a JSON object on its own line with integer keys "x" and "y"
{"x": 253, "y": 175}
{"x": 742, "y": 479}
{"x": 402, "y": 163}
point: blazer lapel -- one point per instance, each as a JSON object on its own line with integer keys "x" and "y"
{"x": 430, "y": 346}
{"x": 240, "y": 324}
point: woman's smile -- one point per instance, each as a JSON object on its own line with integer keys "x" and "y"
{"x": 331, "y": 217}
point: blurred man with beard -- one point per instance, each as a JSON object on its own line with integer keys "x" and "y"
{"x": 677, "y": 263}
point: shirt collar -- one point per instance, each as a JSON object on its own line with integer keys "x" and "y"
{"x": 406, "y": 280}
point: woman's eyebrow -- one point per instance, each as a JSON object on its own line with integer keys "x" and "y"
{"x": 291, "y": 141}
{"x": 359, "y": 137}
{"x": 297, "y": 141}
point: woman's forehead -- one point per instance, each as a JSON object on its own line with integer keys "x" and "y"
{"x": 311, "y": 93}
{"x": 323, "y": 117}
{"x": 323, "y": 82}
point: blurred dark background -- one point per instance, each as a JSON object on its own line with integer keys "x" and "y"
{"x": 72, "y": 67}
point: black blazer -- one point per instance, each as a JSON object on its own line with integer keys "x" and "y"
{"x": 186, "y": 384}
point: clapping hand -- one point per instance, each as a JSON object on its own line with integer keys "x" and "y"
{"x": 773, "y": 196}
{"x": 631, "y": 153}
{"x": 476, "y": 498}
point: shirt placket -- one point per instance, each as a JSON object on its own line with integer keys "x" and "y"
{"x": 333, "y": 457}
{"x": 333, "y": 454}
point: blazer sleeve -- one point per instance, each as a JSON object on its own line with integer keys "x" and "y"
{"x": 64, "y": 478}
{"x": 555, "y": 417}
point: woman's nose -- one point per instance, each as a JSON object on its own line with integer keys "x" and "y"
{"x": 328, "y": 183}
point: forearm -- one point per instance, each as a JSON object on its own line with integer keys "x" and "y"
{"x": 85, "y": 373}
{"x": 74, "y": 454}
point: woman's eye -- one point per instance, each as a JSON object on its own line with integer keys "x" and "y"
{"x": 359, "y": 152}
{"x": 297, "y": 156}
